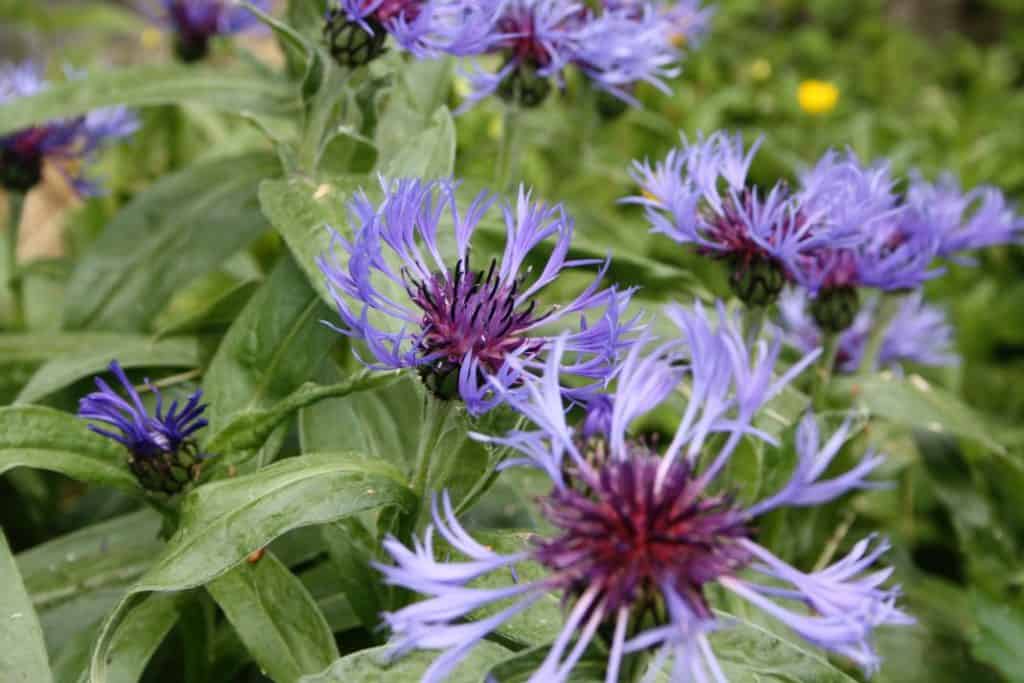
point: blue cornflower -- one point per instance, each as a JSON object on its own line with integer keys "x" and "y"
{"x": 163, "y": 455}
{"x": 700, "y": 195}
{"x": 964, "y": 221}
{"x": 356, "y": 30}
{"x": 918, "y": 333}
{"x": 194, "y": 22}
{"x": 67, "y": 143}
{"x": 641, "y": 534}
{"x": 891, "y": 249}
{"x": 460, "y": 323}
{"x": 538, "y": 39}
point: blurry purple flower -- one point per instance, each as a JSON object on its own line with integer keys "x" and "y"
{"x": 615, "y": 48}
{"x": 67, "y": 143}
{"x": 457, "y": 324}
{"x": 918, "y": 333}
{"x": 356, "y": 30}
{"x": 640, "y": 535}
{"x": 700, "y": 195}
{"x": 890, "y": 248}
{"x": 964, "y": 221}
{"x": 194, "y": 22}
{"x": 164, "y": 456}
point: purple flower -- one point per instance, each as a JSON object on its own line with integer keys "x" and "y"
{"x": 164, "y": 456}
{"x": 195, "y": 22}
{"x": 964, "y": 221}
{"x": 615, "y": 48}
{"x": 69, "y": 144}
{"x": 457, "y": 321}
{"x": 889, "y": 247}
{"x": 918, "y": 333}
{"x": 700, "y": 195}
{"x": 641, "y": 534}
{"x": 357, "y": 29}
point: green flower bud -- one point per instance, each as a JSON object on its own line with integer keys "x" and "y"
{"x": 524, "y": 87}
{"x": 349, "y": 43}
{"x": 757, "y": 283}
{"x": 834, "y": 309}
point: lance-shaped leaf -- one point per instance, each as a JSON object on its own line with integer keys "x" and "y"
{"x": 23, "y": 655}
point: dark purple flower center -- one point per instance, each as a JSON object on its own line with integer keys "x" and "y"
{"x": 21, "y": 159}
{"x": 631, "y": 537}
{"x": 472, "y": 313}
{"x": 388, "y": 10}
{"x": 522, "y": 42}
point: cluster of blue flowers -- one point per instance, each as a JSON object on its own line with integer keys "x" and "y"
{"x": 615, "y": 45}
{"x": 68, "y": 144}
{"x": 844, "y": 228}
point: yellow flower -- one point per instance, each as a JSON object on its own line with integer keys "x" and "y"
{"x": 151, "y": 38}
{"x": 817, "y": 97}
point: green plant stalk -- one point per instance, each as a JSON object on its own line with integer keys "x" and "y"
{"x": 509, "y": 153}
{"x": 888, "y": 305}
{"x": 15, "y": 208}
{"x": 436, "y": 413}
{"x": 753, "y": 321}
{"x": 823, "y": 369}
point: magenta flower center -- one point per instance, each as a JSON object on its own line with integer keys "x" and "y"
{"x": 633, "y": 538}
{"x": 473, "y": 313}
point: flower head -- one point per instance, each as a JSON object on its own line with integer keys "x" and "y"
{"x": 356, "y": 30}
{"x": 163, "y": 454}
{"x": 700, "y": 195}
{"x": 616, "y": 48}
{"x": 641, "y": 533}
{"x": 817, "y": 97}
{"x": 67, "y": 143}
{"x": 918, "y": 333}
{"x": 889, "y": 247}
{"x": 964, "y": 221}
{"x": 458, "y": 321}
{"x": 194, "y": 22}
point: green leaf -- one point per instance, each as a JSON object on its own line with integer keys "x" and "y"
{"x": 273, "y": 346}
{"x": 130, "y": 350}
{"x": 223, "y": 522}
{"x": 751, "y": 653}
{"x": 300, "y": 210}
{"x": 183, "y": 226}
{"x": 276, "y": 618}
{"x": 140, "y": 86}
{"x": 215, "y": 311}
{"x": 143, "y": 628}
{"x": 429, "y": 153}
{"x": 914, "y": 402}
{"x": 47, "y": 439}
{"x": 23, "y": 655}
{"x": 75, "y": 580}
{"x": 999, "y": 632}
{"x": 351, "y": 548}
{"x": 415, "y": 134}
{"x": 245, "y": 434}
{"x": 373, "y": 666}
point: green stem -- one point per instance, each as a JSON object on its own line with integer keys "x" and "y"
{"x": 823, "y": 371}
{"x": 436, "y": 413}
{"x": 888, "y": 306}
{"x": 15, "y": 208}
{"x": 507, "y": 166}
{"x": 753, "y": 321}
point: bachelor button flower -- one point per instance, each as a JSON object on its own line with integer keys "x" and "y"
{"x": 356, "y": 30}
{"x": 163, "y": 455}
{"x": 918, "y": 333}
{"x": 67, "y": 143}
{"x": 194, "y": 22}
{"x": 641, "y": 534}
{"x": 964, "y": 221}
{"x": 459, "y": 323}
{"x": 700, "y": 195}
{"x": 615, "y": 48}
{"x": 890, "y": 247}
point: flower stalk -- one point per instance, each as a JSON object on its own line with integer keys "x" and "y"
{"x": 888, "y": 307}
{"x": 15, "y": 209}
